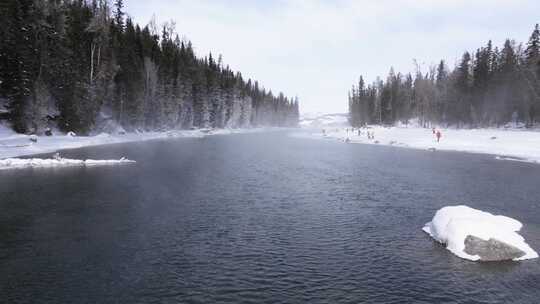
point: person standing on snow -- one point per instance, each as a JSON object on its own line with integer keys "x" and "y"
{"x": 438, "y": 135}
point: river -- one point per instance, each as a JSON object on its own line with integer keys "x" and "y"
{"x": 258, "y": 218}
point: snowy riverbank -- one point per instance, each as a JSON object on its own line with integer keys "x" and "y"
{"x": 507, "y": 144}
{"x": 57, "y": 162}
{"x": 15, "y": 145}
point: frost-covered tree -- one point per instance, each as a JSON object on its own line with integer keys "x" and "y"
{"x": 83, "y": 66}
{"x": 486, "y": 89}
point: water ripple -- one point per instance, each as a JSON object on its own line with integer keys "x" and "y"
{"x": 247, "y": 219}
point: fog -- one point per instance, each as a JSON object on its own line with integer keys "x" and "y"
{"x": 316, "y": 49}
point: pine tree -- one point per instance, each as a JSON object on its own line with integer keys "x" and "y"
{"x": 21, "y": 61}
{"x": 533, "y": 47}
{"x": 119, "y": 14}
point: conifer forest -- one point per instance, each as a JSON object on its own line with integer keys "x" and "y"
{"x": 487, "y": 88}
{"x": 86, "y": 67}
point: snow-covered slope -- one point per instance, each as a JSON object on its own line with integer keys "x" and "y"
{"x": 319, "y": 120}
{"x": 496, "y": 237}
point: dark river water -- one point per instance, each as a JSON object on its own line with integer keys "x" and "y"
{"x": 258, "y": 218}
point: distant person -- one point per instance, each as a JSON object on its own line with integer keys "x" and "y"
{"x": 433, "y": 130}
{"x": 438, "y": 135}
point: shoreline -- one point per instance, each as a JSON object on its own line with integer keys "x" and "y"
{"x": 13, "y": 145}
{"x": 503, "y": 144}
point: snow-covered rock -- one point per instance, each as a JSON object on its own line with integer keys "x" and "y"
{"x": 479, "y": 236}
{"x": 57, "y": 161}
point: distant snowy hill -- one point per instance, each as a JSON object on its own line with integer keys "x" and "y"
{"x": 320, "y": 120}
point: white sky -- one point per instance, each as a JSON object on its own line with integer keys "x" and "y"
{"x": 317, "y": 49}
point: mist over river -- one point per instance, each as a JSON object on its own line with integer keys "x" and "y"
{"x": 258, "y": 218}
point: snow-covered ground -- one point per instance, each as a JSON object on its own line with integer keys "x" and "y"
{"x": 452, "y": 225}
{"x": 15, "y": 145}
{"x": 507, "y": 144}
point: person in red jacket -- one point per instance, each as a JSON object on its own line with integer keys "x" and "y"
{"x": 439, "y": 135}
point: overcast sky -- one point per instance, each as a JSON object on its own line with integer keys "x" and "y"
{"x": 317, "y": 49}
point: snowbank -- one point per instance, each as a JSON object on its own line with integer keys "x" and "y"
{"x": 508, "y": 144}
{"x": 15, "y": 145}
{"x": 18, "y": 163}
{"x": 459, "y": 227}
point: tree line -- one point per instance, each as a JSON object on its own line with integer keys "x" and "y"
{"x": 490, "y": 87}
{"x": 80, "y": 65}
